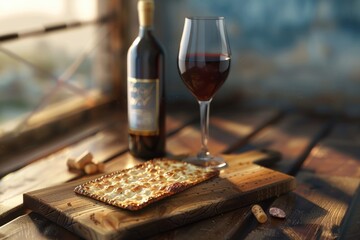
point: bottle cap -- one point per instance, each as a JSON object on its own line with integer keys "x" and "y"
{"x": 146, "y": 12}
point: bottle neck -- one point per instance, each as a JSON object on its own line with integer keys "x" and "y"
{"x": 145, "y": 31}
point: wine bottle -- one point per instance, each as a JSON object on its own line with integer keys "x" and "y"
{"x": 145, "y": 86}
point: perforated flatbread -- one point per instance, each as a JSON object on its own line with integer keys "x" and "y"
{"x": 137, "y": 187}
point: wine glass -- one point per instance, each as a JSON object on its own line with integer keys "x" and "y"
{"x": 204, "y": 64}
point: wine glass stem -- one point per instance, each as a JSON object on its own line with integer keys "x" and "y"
{"x": 204, "y": 125}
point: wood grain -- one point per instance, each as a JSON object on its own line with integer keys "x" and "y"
{"x": 37, "y": 175}
{"x": 334, "y": 158}
{"x": 342, "y": 146}
{"x": 104, "y": 145}
{"x": 293, "y": 136}
{"x": 209, "y": 228}
{"x": 325, "y": 203}
{"x": 34, "y": 226}
{"x": 187, "y": 139}
{"x": 225, "y": 131}
{"x": 40, "y": 227}
{"x": 315, "y": 210}
{"x": 327, "y": 170}
{"x": 350, "y": 227}
{"x": 242, "y": 123}
{"x": 38, "y": 142}
{"x": 338, "y": 154}
{"x": 237, "y": 186}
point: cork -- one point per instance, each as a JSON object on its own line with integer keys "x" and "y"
{"x": 90, "y": 168}
{"x": 71, "y": 163}
{"x": 100, "y": 167}
{"x": 80, "y": 162}
{"x": 259, "y": 213}
{"x": 146, "y": 12}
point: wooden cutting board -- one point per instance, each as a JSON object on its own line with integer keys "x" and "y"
{"x": 238, "y": 185}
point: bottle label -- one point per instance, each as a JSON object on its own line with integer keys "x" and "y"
{"x": 143, "y": 106}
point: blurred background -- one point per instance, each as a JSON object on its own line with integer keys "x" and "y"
{"x": 39, "y": 70}
{"x": 286, "y": 53}
{"x": 289, "y": 53}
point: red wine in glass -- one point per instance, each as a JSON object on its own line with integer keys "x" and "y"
{"x": 204, "y": 64}
{"x": 203, "y": 74}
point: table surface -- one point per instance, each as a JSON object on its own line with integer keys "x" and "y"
{"x": 323, "y": 154}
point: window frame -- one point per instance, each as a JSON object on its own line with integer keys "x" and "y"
{"x": 50, "y": 123}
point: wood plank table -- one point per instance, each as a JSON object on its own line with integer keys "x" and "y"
{"x": 323, "y": 154}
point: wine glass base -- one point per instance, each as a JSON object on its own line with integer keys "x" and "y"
{"x": 209, "y": 161}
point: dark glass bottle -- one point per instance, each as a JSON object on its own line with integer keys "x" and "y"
{"x": 146, "y": 96}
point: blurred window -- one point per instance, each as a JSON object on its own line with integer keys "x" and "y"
{"x": 50, "y": 55}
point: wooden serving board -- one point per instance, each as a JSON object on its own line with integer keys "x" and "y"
{"x": 237, "y": 186}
